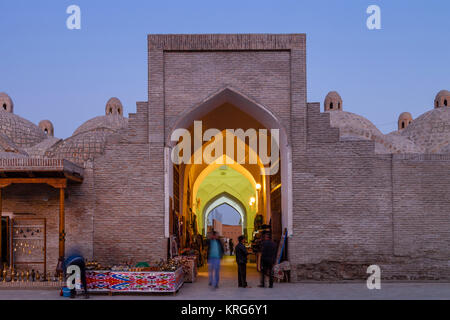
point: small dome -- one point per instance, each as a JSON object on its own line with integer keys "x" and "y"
{"x": 114, "y": 107}
{"x": 442, "y": 99}
{"x": 6, "y": 103}
{"x": 431, "y": 130}
{"x": 353, "y": 125}
{"x": 404, "y": 120}
{"x": 333, "y": 101}
{"x": 81, "y": 147}
{"x": 111, "y": 122}
{"x": 47, "y": 127}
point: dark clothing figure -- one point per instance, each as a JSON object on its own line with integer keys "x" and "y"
{"x": 77, "y": 260}
{"x": 231, "y": 245}
{"x": 215, "y": 253}
{"x": 266, "y": 270}
{"x": 241, "y": 254}
{"x": 242, "y": 275}
{"x": 221, "y": 249}
{"x": 241, "y": 259}
{"x": 268, "y": 256}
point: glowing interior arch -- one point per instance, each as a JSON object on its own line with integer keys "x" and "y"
{"x": 225, "y": 198}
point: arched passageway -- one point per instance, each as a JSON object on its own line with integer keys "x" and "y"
{"x": 228, "y": 149}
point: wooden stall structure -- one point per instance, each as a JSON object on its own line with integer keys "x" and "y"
{"x": 57, "y": 173}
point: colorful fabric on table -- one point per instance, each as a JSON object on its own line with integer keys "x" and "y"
{"x": 135, "y": 281}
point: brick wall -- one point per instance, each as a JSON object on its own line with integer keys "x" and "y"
{"x": 355, "y": 208}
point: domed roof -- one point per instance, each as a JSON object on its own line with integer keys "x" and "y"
{"x": 89, "y": 139}
{"x": 11, "y": 155}
{"x": 442, "y": 99}
{"x": 396, "y": 143}
{"x": 21, "y": 131}
{"x": 6, "y": 103}
{"x": 445, "y": 149}
{"x": 431, "y": 130}
{"x": 112, "y": 122}
{"x": 355, "y": 127}
{"x": 81, "y": 147}
{"x": 39, "y": 150}
{"x": 7, "y": 146}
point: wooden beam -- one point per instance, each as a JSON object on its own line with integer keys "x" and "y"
{"x": 73, "y": 177}
{"x": 54, "y": 182}
{"x": 62, "y": 232}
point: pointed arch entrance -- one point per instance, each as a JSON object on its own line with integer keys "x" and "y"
{"x": 229, "y": 109}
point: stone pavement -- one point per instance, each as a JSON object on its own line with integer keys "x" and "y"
{"x": 228, "y": 290}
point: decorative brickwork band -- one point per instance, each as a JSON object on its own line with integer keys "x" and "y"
{"x": 176, "y": 42}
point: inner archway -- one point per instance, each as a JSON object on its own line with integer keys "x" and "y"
{"x": 229, "y": 200}
{"x": 234, "y": 184}
{"x": 226, "y": 214}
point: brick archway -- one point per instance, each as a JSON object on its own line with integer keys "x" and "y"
{"x": 260, "y": 113}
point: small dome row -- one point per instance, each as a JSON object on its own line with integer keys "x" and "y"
{"x": 7, "y": 105}
{"x": 113, "y": 107}
{"x": 333, "y": 102}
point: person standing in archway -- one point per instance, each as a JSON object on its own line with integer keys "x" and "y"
{"x": 241, "y": 259}
{"x": 215, "y": 253}
{"x": 268, "y": 256}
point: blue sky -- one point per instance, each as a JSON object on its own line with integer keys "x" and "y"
{"x": 226, "y": 214}
{"x": 67, "y": 76}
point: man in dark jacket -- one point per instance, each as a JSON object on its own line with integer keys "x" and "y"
{"x": 268, "y": 256}
{"x": 241, "y": 259}
{"x": 215, "y": 253}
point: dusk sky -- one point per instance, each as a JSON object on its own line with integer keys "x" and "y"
{"x": 226, "y": 214}
{"x": 67, "y": 76}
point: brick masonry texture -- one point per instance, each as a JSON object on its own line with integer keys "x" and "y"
{"x": 351, "y": 207}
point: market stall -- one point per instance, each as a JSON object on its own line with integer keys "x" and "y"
{"x": 189, "y": 264}
{"x": 142, "y": 280}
